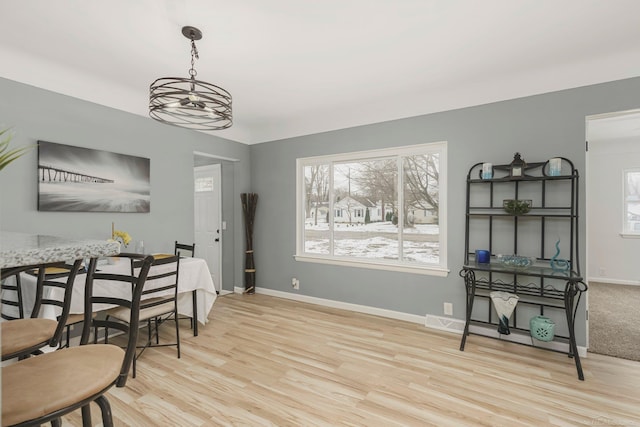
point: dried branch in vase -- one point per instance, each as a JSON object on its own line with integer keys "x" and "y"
{"x": 249, "y": 202}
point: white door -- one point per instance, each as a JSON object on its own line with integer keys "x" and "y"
{"x": 207, "y": 222}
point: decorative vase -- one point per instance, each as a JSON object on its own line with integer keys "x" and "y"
{"x": 483, "y": 256}
{"x": 504, "y": 303}
{"x": 542, "y": 328}
{"x": 560, "y": 265}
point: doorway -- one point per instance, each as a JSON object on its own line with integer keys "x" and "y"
{"x": 207, "y": 218}
{"x": 612, "y": 242}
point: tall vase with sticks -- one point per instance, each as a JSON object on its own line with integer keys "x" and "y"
{"x": 249, "y": 202}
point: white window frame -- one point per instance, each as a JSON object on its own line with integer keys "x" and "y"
{"x": 626, "y": 231}
{"x": 439, "y": 148}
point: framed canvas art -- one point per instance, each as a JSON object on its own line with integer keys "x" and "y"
{"x": 78, "y": 179}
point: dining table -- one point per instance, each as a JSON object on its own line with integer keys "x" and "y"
{"x": 196, "y": 290}
{"x": 25, "y": 252}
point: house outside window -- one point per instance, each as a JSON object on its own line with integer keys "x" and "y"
{"x": 403, "y": 191}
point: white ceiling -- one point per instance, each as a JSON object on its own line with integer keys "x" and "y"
{"x": 297, "y": 67}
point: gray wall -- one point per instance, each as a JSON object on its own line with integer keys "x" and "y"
{"x": 539, "y": 127}
{"x": 37, "y": 114}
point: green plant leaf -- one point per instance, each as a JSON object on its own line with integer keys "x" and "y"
{"x": 7, "y": 156}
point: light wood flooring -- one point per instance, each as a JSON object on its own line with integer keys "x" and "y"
{"x": 265, "y": 361}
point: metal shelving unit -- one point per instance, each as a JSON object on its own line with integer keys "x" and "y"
{"x": 552, "y": 217}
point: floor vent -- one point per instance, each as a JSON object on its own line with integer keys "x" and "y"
{"x": 444, "y": 323}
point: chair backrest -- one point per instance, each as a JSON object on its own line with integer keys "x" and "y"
{"x": 11, "y": 297}
{"x": 135, "y": 282}
{"x": 183, "y": 249}
{"x": 50, "y": 278}
{"x": 27, "y": 336}
{"x": 161, "y": 285}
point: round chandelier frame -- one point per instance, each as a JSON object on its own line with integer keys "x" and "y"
{"x": 188, "y": 102}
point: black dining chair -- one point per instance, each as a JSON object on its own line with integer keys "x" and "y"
{"x": 182, "y": 249}
{"x": 52, "y": 275}
{"x": 156, "y": 300}
{"x": 46, "y": 387}
{"x": 23, "y": 337}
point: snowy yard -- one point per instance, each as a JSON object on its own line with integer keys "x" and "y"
{"x": 376, "y": 240}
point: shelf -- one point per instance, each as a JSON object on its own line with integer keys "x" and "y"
{"x": 531, "y": 290}
{"x": 523, "y": 332}
{"x": 531, "y": 215}
{"x": 489, "y": 227}
{"x": 500, "y": 208}
{"x": 520, "y": 179}
{"x": 533, "y": 271}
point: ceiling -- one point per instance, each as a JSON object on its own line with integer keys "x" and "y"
{"x": 297, "y": 67}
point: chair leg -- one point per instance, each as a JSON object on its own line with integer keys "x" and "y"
{"x": 157, "y": 332}
{"x": 175, "y": 317}
{"x": 194, "y": 317}
{"x": 86, "y": 416}
{"x": 135, "y": 356}
{"x": 56, "y": 423}
{"x": 105, "y": 407}
{"x": 68, "y": 332}
{"x": 106, "y": 331}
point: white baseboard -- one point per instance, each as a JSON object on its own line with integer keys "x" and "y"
{"x": 447, "y": 324}
{"x": 613, "y": 281}
{"x": 413, "y": 318}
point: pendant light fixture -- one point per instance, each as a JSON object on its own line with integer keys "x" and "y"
{"x": 187, "y": 102}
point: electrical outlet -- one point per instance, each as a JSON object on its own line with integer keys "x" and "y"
{"x": 602, "y": 271}
{"x": 448, "y": 309}
{"x": 295, "y": 283}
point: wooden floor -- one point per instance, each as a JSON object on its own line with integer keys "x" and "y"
{"x": 264, "y": 361}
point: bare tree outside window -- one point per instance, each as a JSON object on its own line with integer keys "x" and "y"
{"x": 420, "y": 207}
{"x": 358, "y": 186}
{"x": 378, "y": 208}
{"x": 316, "y": 230}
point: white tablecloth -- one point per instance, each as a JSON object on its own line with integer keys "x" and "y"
{"x": 193, "y": 275}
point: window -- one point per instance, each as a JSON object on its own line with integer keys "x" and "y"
{"x": 376, "y": 209}
{"x": 203, "y": 184}
{"x": 631, "y": 209}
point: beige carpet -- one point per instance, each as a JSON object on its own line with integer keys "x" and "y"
{"x": 614, "y": 320}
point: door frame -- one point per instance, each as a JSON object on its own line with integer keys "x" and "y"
{"x": 589, "y": 194}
